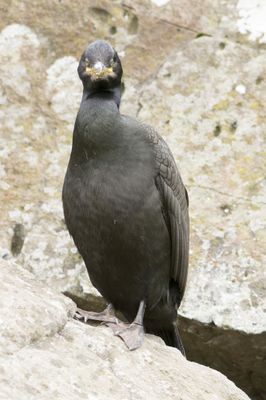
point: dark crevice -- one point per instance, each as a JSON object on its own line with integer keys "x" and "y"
{"x": 238, "y": 355}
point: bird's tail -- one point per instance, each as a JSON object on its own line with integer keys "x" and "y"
{"x": 170, "y": 336}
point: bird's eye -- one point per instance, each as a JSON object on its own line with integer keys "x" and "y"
{"x": 113, "y": 60}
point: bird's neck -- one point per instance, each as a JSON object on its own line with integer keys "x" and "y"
{"x": 110, "y": 94}
{"x": 95, "y": 127}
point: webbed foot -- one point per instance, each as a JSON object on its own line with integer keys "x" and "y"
{"x": 107, "y": 316}
{"x": 132, "y": 334}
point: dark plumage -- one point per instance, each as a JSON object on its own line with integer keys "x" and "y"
{"x": 124, "y": 202}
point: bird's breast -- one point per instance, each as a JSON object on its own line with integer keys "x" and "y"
{"x": 109, "y": 186}
{"x": 113, "y": 211}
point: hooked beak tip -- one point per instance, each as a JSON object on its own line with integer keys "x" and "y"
{"x": 98, "y": 66}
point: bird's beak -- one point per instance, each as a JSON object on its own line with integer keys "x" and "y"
{"x": 98, "y": 71}
{"x": 98, "y": 66}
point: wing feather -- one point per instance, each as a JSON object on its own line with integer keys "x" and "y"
{"x": 174, "y": 207}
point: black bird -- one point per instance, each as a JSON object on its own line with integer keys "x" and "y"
{"x": 126, "y": 208}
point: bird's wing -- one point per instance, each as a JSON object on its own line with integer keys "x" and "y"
{"x": 174, "y": 199}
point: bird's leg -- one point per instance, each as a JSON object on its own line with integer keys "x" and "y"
{"x": 108, "y": 315}
{"x": 132, "y": 334}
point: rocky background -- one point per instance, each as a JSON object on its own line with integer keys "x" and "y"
{"x": 195, "y": 70}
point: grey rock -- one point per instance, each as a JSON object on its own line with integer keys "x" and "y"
{"x": 44, "y": 354}
{"x": 194, "y": 71}
{"x": 29, "y": 310}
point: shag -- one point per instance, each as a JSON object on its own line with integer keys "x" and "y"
{"x": 126, "y": 207}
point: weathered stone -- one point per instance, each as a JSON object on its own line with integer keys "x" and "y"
{"x": 29, "y": 310}
{"x": 43, "y": 355}
{"x": 194, "y": 72}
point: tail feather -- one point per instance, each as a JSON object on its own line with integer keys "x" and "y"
{"x": 170, "y": 336}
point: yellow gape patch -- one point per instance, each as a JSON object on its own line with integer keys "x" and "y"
{"x": 94, "y": 74}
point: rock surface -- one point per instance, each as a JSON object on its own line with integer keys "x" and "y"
{"x": 196, "y": 71}
{"x": 44, "y": 354}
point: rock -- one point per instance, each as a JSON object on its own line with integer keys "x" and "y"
{"x": 195, "y": 71}
{"x": 236, "y": 354}
{"x": 29, "y": 310}
{"x": 251, "y": 19}
{"x": 45, "y": 354}
{"x": 61, "y": 78}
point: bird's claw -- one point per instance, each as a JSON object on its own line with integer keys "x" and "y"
{"x": 106, "y": 316}
{"x": 132, "y": 334}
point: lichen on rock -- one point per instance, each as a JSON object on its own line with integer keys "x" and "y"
{"x": 196, "y": 73}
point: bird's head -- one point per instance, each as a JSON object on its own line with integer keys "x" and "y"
{"x": 100, "y": 66}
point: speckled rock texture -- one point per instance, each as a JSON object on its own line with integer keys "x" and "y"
{"x": 46, "y": 354}
{"x": 196, "y": 71}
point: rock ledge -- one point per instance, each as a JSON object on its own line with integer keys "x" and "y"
{"x": 46, "y": 354}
